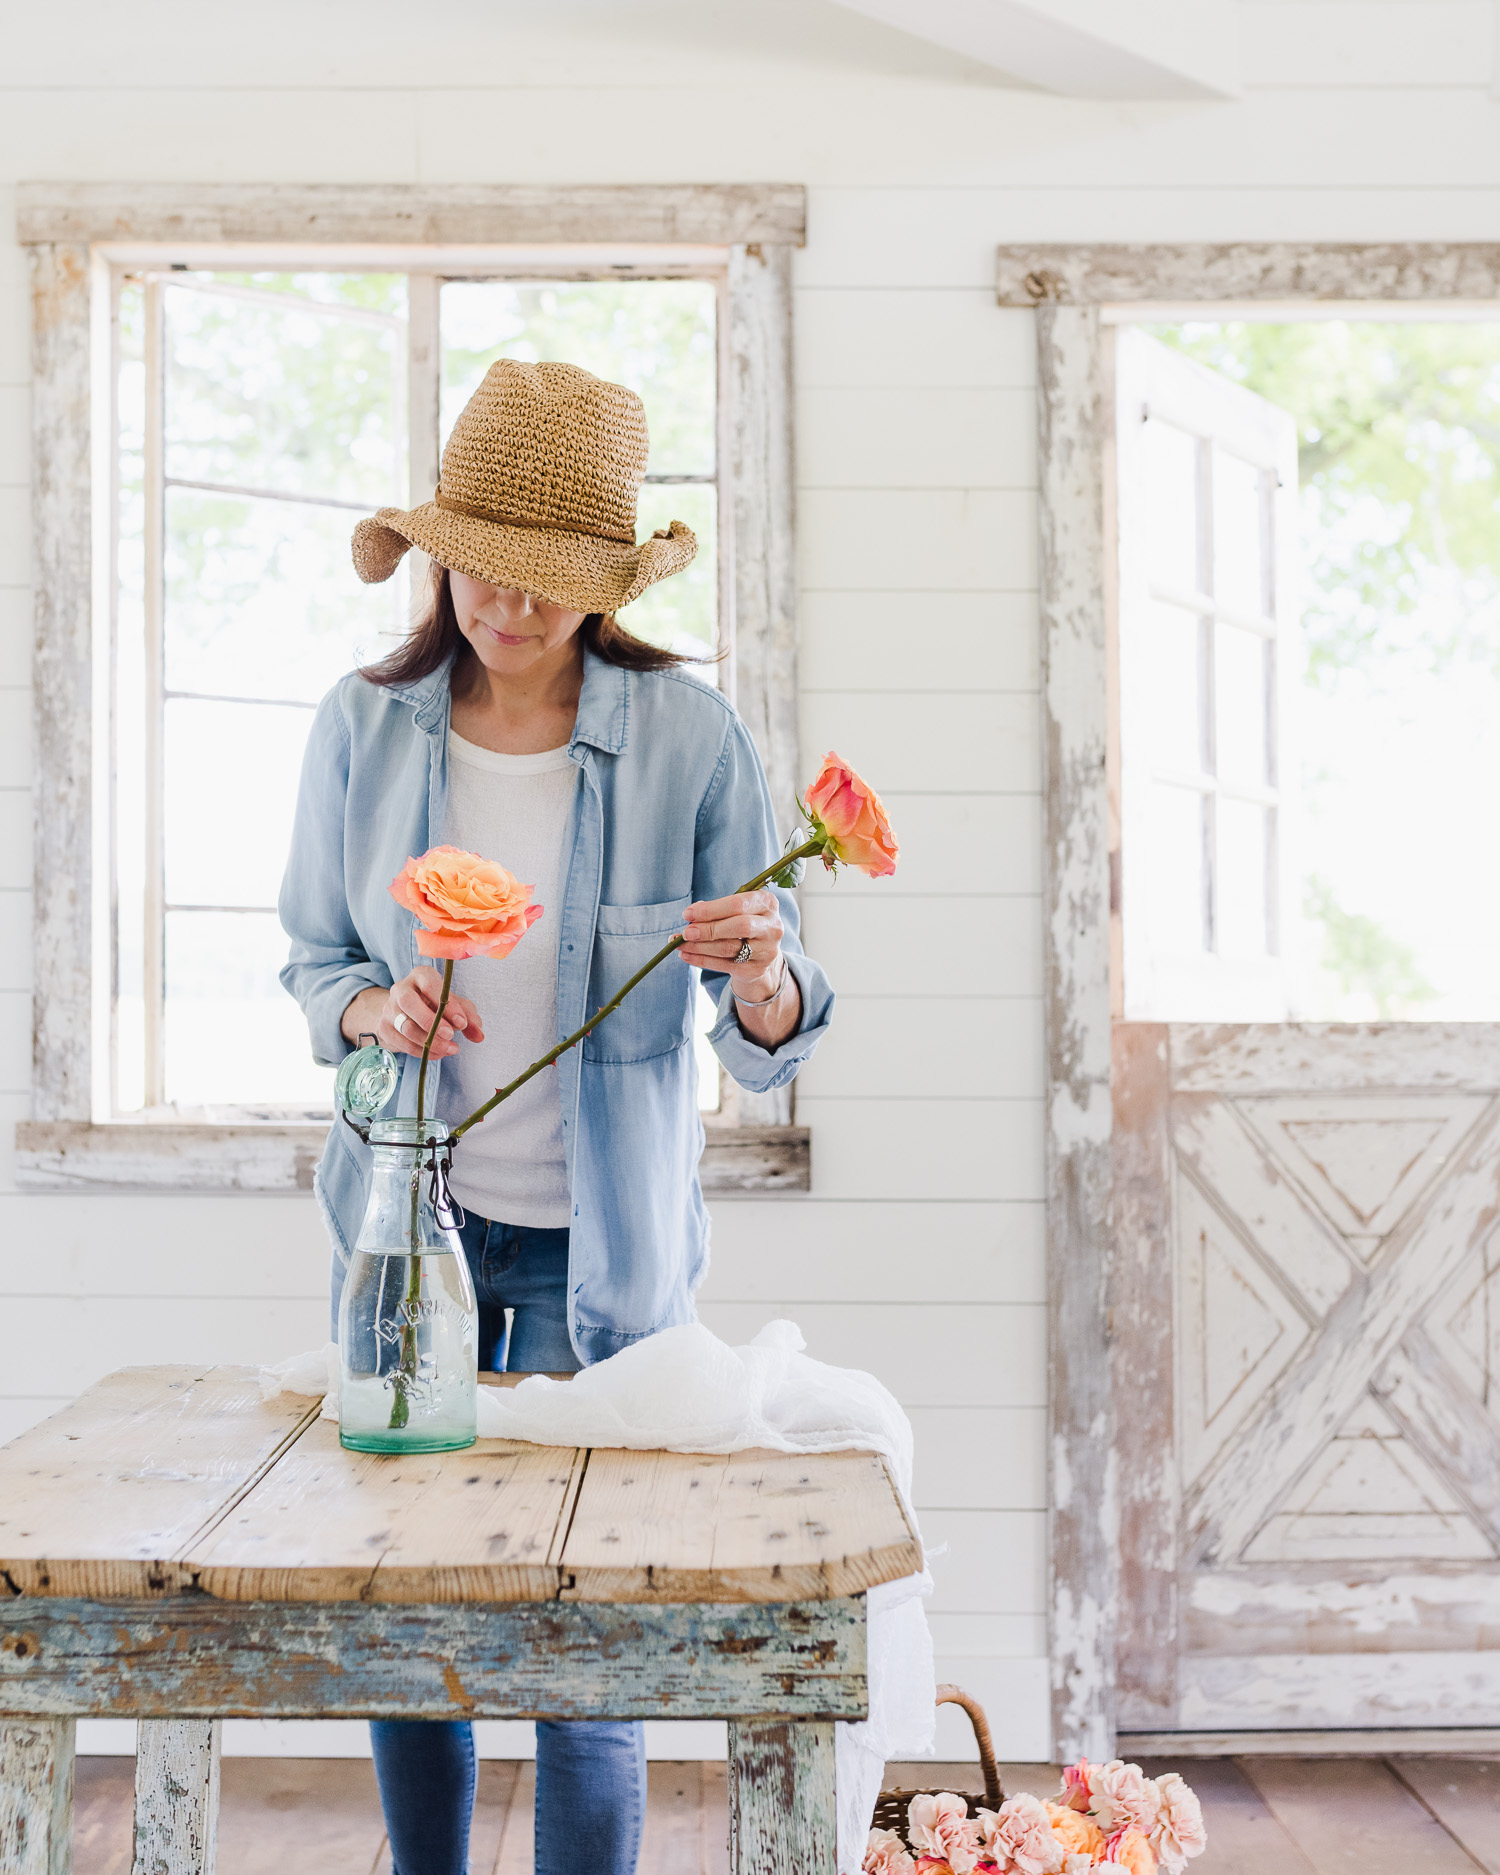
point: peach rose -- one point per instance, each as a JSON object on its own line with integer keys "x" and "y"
{"x": 1131, "y": 1850}
{"x": 1078, "y": 1834}
{"x": 1179, "y": 1831}
{"x": 846, "y": 813}
{"x": 932, "y": 1865}
{"x": 1019, "y": 1837}
{"x": 885, "y": 1854}
{"x": 939, "y": 1827}
{"x": 465, "y": 906}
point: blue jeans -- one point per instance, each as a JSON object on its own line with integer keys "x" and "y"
{"x": 590, "y": 1774}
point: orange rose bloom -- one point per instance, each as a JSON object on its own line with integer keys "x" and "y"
{"x": 465, "y": 906}
{"x": 1131, "y": 1850}
{"x": 1078, "y": 1834}
{"x": 847, "y": 813}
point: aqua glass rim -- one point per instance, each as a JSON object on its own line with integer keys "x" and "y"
{"x": 404, "y": 1131}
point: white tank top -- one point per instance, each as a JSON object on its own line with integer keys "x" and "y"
{"x": 514, "y": 809}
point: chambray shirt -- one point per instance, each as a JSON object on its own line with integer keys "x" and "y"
{"x": 672, "y": 807}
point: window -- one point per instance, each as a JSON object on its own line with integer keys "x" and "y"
{"x": 368, "y": 305}
{"x": 1207, "y": 483}
{"x": 258, "y": 415}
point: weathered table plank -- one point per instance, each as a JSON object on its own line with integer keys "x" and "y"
{"x": 103, "y": 1497}
{"x": 750, "y": 1526}
{"x": 485, "y": 1524}
{"x": 161, "y": 1480}
{"x": 191, "y": 1655}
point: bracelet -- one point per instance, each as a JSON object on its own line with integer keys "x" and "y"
{"x": 765, "y": 1001}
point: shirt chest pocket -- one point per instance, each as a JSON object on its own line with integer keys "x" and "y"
{"x": 656, "y": 1017}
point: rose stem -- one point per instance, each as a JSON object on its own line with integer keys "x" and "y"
{"x": 807, "y": 848}
{"x": 407, "y": 1370}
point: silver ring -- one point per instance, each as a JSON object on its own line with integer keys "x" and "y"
{"x": 399, "y": 1025}
{"x": 742, "y": 955}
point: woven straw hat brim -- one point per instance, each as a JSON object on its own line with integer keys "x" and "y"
{"x": 579, "y": 571}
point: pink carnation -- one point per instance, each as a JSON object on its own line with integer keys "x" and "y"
{"x": 939, "y": 1827}
{"x": 1075, "y": 1785}
{"x": 1019, "y": 1837}
{"x": 1179, "y": 1831}
{"x": 1120, "y": 1797}
{"x": 885, "y": 1854}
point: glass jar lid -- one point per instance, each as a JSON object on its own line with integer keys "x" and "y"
{"x": 366, "y": 1080}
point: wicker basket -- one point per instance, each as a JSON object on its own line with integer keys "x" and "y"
{"x": 890, "y": 1809}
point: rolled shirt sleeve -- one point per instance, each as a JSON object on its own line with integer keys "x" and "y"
{"x": 736, "y": 838}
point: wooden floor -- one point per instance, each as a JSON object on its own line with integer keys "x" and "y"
{"x": 1266, "y": 1816}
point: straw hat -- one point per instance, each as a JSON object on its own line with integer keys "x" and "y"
{"x": 538, "y": 493}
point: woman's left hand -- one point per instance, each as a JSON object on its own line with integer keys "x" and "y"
{"x": 718, "y": 928}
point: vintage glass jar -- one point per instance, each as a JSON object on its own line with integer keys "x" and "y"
{"x": 408, "y": 1325}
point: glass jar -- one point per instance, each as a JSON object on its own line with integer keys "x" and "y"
{"x": 408, "y": 1326}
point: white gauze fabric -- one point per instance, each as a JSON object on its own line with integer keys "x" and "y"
{"x": 685, "y": 1390}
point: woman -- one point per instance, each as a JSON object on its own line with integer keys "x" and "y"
{"x": 519, "y": 721}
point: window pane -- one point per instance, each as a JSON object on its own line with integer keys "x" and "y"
{"x": 1242, "y": 873}
{"x": 234, "y": 1036}
{"x": 297, "y": 401}
{"x": 1172, "y": 539}
{"x": 657, "y": 336}
{"x": 231, "y": 788}
{"x": 1170, "y": 883}
{"x": 1241, "y": 521}
{"x": 683, "y": 611}
{"x": 262, "y": 599}
{"x": 1166, "y": 669}
{"x": 1241, "y": 673}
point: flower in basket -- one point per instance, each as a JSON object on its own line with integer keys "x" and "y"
{"x": 1078, "y": 1834}
{"x": 886, "y": 1854}
{"x": 465, "y": 906}
{"x": 1179, "y": 1831}
{"x": 939, "y": 1829}
{"x": 1018, "y": 1838}
{"x": 848, "y": 822}
{"x": 1119, "y": 1796}
{"x": 1130, "y": 1849}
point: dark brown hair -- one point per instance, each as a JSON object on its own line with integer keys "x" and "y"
{"x": 435, "y": 639}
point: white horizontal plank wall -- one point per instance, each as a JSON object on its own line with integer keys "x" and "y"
{"x": 918, "y": 1252}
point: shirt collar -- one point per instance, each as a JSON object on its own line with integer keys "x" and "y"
{"x": 603, "y": 704}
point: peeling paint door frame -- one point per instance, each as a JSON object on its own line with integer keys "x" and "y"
{"x": 1070, "y": 287}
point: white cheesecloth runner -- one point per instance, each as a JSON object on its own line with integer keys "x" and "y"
{"x": 685, "y": 1390}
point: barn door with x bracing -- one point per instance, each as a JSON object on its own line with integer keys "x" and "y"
{"x": 1308, "y": 1374}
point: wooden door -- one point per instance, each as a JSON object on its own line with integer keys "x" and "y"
{"x": 1307, "y": 1315}
{"x": 1306, "y": 1281}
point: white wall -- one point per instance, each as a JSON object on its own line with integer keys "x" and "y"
{"x": 919, "y": 1252}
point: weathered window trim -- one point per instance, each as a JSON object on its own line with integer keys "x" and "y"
{"x": 1076, "y": 291}
{"x": 73, "y": 232}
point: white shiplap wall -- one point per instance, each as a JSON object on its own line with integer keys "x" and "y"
{"x": 919, "y": 1252}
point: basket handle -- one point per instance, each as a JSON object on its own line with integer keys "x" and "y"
{"x": 949, "y": 1695}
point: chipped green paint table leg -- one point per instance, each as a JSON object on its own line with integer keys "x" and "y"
{"x": 780, "y": 1673}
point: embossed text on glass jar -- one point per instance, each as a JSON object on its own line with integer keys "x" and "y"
{"x": 408, "y": 1328}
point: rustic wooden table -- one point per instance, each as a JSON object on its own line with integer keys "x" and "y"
{"x": 175, "y": 1550}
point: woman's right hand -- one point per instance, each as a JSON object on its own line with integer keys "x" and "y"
{"x": 414, "y": 999}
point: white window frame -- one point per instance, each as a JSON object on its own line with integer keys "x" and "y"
{"x": 80, "y": 238}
